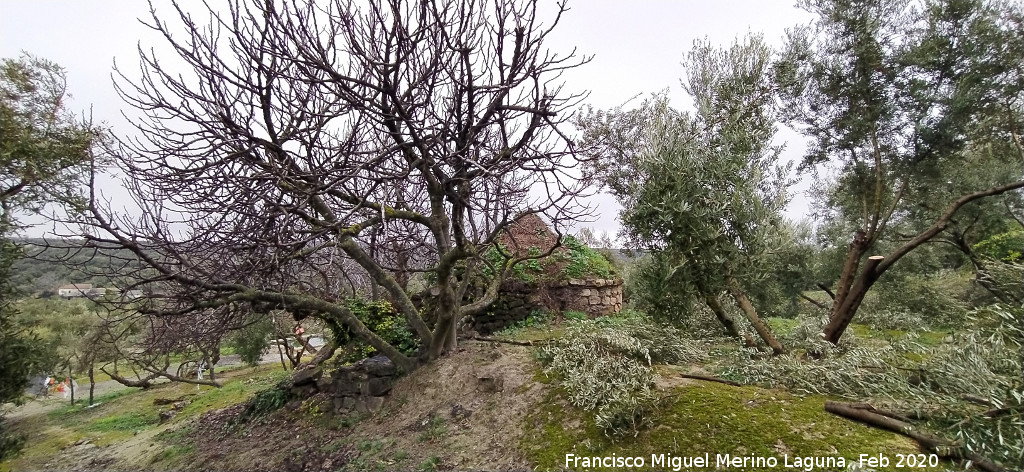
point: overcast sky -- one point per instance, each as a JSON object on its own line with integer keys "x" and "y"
{"x": 637, "y": 46}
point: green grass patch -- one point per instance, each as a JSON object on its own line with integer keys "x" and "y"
{"x": 710, "y": 418}
{"x": 231, "y": 393}
{"x": 133, "y": 421}
{"x": 436, "y": 430}
{"x": 782, "y": 326}
{"x": 173, "y": 455}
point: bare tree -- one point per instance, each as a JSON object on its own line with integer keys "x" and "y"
{"x": 298, "y": 139}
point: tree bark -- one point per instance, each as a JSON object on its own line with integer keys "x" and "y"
{"x": 856, "y": 251}
{"x": 71, "y": 383}
{"x": 814, "y": 302}
{"x": 827, "y": 290}
{"x": 939, "y": 446}
{"x": 92, "y": 383}
{"x": 708, "y": 378}
{"x": 716, "y": 308}
{"x": 748, "y": 309}
{"x": 854, "y": 296}
{"x": 852, "y": 287}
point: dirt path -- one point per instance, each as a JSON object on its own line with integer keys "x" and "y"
{"x": 40, "y": 404}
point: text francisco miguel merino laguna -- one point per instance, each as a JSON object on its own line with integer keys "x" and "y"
{"x": 677, "y": 463}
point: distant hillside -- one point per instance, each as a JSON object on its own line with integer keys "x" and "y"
{"x": 47, "y": 265}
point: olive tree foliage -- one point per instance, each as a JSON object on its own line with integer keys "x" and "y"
{"x": 285, "y": 145}
{"x": 43, "y": 149}
{"x": 702, "y": 191}
{"x": 898, "y": 98}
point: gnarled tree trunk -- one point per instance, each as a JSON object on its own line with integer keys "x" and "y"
{"x": 748, "y": 309}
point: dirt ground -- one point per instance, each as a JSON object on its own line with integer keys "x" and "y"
{"x": 448, "y": 415}
{"x": 464, "y": 412}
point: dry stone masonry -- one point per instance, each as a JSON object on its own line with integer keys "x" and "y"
{"x": 516, "y": 300}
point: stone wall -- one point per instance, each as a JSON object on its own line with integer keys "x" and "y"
{"x": 516, "y": 300}
{"x": 595, "y": 297}
{"x": 358, "y": 387}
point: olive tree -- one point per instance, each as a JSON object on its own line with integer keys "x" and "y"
{"x": 44, "y": 148}
{"x": 286, "y": 145}
{"x": 897, "y": 99}
{"x": 702, "y": 191}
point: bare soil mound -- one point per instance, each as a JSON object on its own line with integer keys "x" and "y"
{"x": 463, "y": 412}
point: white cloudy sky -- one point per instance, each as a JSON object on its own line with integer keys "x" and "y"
{"x": 637, "y": 46}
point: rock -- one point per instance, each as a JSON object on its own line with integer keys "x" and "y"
{"x": 342, "y": 404}
{"x": 345, "y": 387}
{"x": 595, "y": 300}
{"x": 304, "y": 391}
{"x": 167, "y": 415}
{"x": 368, "y": 404}
{"x": 575, "y": 282}
{"x": 180, "y": 405}
{"x": 379, "y": 366}
{"x": 163, "y": 401}
{"x": 325, "y": 385}
{"x": 307, "y": 376}
{"x": 585, "y": 292}
{"x": 80, "y": 442}
{"x": 459, "y": 412}
{"x": 377, "y": 386}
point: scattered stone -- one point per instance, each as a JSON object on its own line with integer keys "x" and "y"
{"x": 459, "y": 412}
{"x": 167, "y": 415}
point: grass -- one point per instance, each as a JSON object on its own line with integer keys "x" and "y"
{"x": 122, "y": 413}
{"x": 132, "y": 421}
{"x": 173, "y": 455}
{"x": 430, "y": 464}
{"x": 436, "y": 430}
{"x": 711, "y": 418}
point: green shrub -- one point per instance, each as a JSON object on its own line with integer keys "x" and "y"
{"x": 1005, "y": 247}
{"x": 1004, "y": 279}
{"x": 575, "y": 315}
{"x": 937, "y": 299}
{"x": 605, "y": 367}
{"x": 581, "y": 261}
{"x": 251, "y": 342}
{"x": 893, "y": 319}
{"x": 656, "y": 288}
{"x": 266, "y": 401}
{"x": 536, "y": 318}
{"x": 381, "y": 318}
